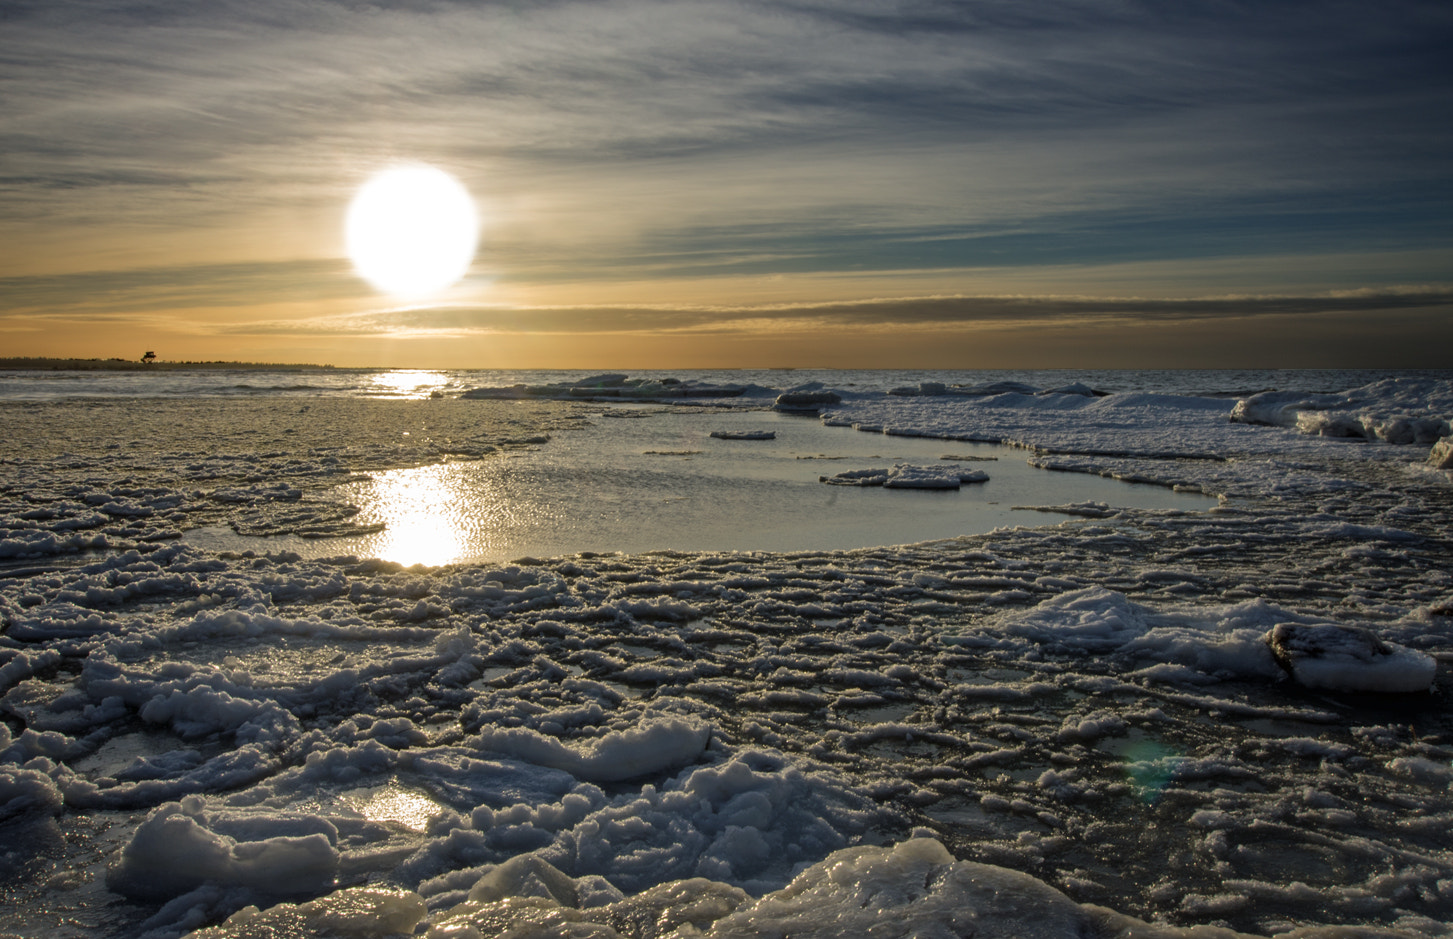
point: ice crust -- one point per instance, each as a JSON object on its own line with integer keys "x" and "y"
{"x": 1085, "y": 717}
{"x": 907, "y": 476}
{"x": 1342, "y": 658}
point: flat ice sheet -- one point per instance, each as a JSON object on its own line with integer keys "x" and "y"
{"x": 648, "y": 478}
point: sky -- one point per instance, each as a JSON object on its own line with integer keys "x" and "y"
{"x": 823, "y": 183}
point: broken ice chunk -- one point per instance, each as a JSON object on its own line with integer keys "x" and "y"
{"x": 1348, "y": 658}
{"x": 1442, "y": 455}
{"x": 813, "y": 396}
{"x": 906, "y": 476}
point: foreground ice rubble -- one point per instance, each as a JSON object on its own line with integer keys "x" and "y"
{"x": 1084, "y": 717}
{"x": 913, "y": 889}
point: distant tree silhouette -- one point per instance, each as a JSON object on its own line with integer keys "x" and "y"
{"x": 149, "y": 358}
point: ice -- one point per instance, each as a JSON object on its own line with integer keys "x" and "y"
{"x": 1441, "y": 456}
{"x": 28, "y": 792}
{"x": 646, "y": 750}
{"x": 359, "y": 911}
{"x": 1074, "y": 388}
{"x": 176, "y": 850}
{"x": 907, "y": 476}
{"x": 915, "y": 888}
{"x": 1075, "y": 716}
{"x": 1397, "y": 410}
{"x": 1345, "y": 658}
{"x": 810, "y": 397}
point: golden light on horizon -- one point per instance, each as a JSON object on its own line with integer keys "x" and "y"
{"x": 412, "y": 231}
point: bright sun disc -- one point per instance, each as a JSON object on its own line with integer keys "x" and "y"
{"x": 412, "y": 231}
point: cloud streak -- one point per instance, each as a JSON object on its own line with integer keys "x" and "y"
{"x": 1020, "y": 312}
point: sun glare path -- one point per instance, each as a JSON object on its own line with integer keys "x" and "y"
{"x": 412, "y": 231}
{"x": 406, "y": 383}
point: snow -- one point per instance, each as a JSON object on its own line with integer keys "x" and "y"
{"x": 175, "y": 851}
{"x": 907, "y": 476}
{"x": 1398, "y": 410}
{"x": 812, "y": 397}
{"x": 1441, "y": 456}
{"x": 1344, "y": 658}
{"x": 647, "y": 750}
{"x": 1071, "y": 727}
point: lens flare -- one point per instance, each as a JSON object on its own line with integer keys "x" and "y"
{"x": 1151, "y": 767}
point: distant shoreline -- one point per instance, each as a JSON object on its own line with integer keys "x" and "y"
{"x": 20, "y": 363}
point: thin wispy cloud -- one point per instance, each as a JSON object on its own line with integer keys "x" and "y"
{"x": 881, "y": 312}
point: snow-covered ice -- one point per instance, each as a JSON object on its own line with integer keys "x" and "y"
{"x": 907, "y": 476}
{"x": 1348, "y": 658}
{"x": 1079, "y": 728}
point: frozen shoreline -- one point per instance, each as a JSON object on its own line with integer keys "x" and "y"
{"x": 1036, "y": 698}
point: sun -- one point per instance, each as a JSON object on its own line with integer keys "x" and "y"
{"x": 411, "y": 231}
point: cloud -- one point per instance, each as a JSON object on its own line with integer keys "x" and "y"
{"x": 933, "y": 313}
{"x": 633, "y": 119}
{"x": 127, "y": 292}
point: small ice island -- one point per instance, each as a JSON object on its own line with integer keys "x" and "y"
{"x": 907, "y": 476}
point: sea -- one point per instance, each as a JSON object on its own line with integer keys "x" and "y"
{"x": 40, "y": 384}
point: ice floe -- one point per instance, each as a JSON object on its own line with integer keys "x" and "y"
{"x": 811, "y": 397}
{"x": 1399, "y": 411}
{"x": 1348, "y": 658}
{"x": 907, "y": 476}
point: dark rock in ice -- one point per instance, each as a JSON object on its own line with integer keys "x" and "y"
{"x": 744, "y": 434}
{"x": 1348, "y": 658}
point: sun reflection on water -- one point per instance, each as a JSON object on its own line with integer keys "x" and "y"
{"x": 421, "y": 513}
{"x": 407, "y": 383}
{"x": 444, "y": 513}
